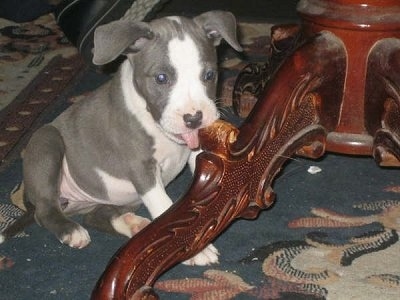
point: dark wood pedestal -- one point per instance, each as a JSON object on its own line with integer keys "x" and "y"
{"x": 361, "y": 54}
{"x": 338, "y": 92}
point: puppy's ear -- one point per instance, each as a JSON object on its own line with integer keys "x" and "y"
{"x": 219, "y": 25}
{"x": 113, "y": 39}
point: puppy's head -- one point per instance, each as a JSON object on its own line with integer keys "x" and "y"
{"x": 174, "y": 66}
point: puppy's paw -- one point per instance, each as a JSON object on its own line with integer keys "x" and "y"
{"x": 135, "y": 223}
{"x": 78, "y": 238}
{"x": 129, "y": 224}
{"x": 206, "y": 257}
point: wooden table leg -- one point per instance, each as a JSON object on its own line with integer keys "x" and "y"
{"x": 339, "y": 91}
{"x": 232, "y": 179}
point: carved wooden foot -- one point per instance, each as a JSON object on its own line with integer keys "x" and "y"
{"x": 383, "y": 106}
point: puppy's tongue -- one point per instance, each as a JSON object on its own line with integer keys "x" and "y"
{"x": 191, "y": 139}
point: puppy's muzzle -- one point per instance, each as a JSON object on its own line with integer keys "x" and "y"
{"x": 193, "y": 121}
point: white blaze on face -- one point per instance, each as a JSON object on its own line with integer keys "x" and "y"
{"x": 189, "y": 94}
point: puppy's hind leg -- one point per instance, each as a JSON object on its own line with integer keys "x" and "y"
{"x": 116, "y": 220}
{"x": 42, "y": 175}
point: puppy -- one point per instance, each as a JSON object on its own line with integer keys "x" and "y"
{"x": 121, "y": 146}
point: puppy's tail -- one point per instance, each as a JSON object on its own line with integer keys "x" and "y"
{"x": 26, "y": 219}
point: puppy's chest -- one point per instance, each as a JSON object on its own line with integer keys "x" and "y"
{"x": 171, "y": 159}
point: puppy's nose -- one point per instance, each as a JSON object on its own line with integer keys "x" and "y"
{"x": 193, "y": 121}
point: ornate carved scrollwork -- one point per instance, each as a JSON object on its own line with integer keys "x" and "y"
{"x": 254, "y": 77}
{"x": 383, "y": 100}
{"x": 248, "y": 86}
{"x": 387, "y": 139}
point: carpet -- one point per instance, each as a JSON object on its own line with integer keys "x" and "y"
{"x": 37, "y": 63}
{"x": 332, "y": 234}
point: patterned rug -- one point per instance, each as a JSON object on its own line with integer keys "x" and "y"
{"x": 326, "y": 253}
{"x": 332, "y": 234}
{"x": 37, "y": 63}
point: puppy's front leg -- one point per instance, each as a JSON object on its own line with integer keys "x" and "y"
{"x": 192, "y": 160}
{"x": 156, "y": 199}
{"x": 157, "y": 202}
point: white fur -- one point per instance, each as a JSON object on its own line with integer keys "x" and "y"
{"x": 188, "y": 94}
{"x": 156, "y": 200}
{"x": 121, "y": 191}
{"x": 206, "y": 257}
{"x": 192, "y": 160}
{"x": 129, "y": 228}
{"x": 121, "y": 227}
{"x": 79, "y": 238}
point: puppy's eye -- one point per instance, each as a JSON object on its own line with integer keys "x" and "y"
{"x": 161, "y": 78}
{"x": 209, "y": 75}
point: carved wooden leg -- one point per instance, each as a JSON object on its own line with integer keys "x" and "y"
{"x": 228, "y": 184}
{"x": 319, "y": 99}
{"x": 233, "y": 176}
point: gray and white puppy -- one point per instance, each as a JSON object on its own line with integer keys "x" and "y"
{"x": 124, "y": 143}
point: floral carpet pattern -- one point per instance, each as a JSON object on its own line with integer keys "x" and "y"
{"x": 364, "y": 261}
{"x": 25, "y": 49}
{"x": 36, "y": 64}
